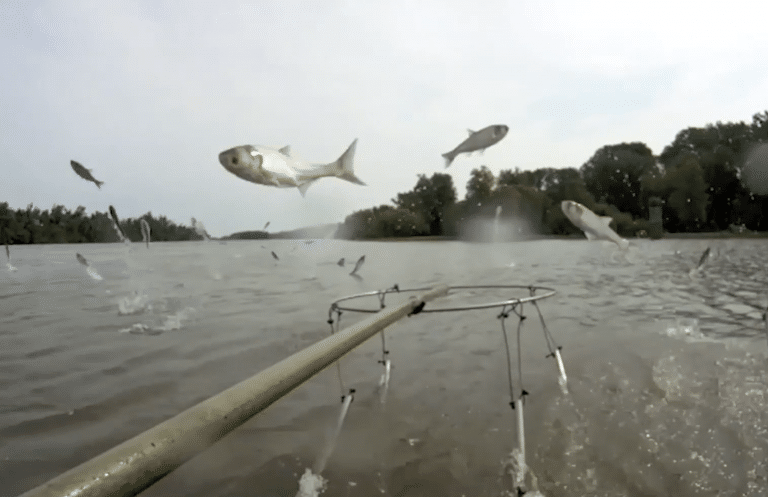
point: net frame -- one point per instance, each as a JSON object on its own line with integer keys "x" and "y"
{"x": 549, "y": 292}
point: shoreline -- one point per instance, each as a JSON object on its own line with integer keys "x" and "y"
{"x": 672, "y": 236}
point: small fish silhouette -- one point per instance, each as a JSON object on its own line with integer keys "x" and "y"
{"x": 85, "y": 173}
{"x": 358, "y": 265}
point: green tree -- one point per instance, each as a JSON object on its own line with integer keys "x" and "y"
{"x": 537, "y": 178}
{"x": 719, "y": 150}
{"x": 480, "y": 185}
{"x": 429, "y": 199}
{"x": 613, "y": 175}
{"x": 685, "y": 192}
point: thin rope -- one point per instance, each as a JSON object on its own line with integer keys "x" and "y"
{"x": 520, "y": 351}
{"x": 503, "y": 316}
{"x": 333, "y": 308}
{"x": 551, "y": 343}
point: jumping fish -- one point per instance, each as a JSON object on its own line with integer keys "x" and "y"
{"x": 85, "y": 173}
{"x": 8, "y": 264}
{"x": 594, "y": 227}
{"x": 358, "y": 265}
{"x": 275, "y": 256}
{"x": 88, "y": 269}
{"x": 704, "y": 258}
{"x": 116, "y": 225}
{"x": 267, "y": 166}
{"x": 200, "y": 229}
{"x": 81, "y": 260}
{"x": 145, "y": 231}
{"x": 341, "y": 262}
{"x": 478, "y": 140}
{"x": 266, "y": 225}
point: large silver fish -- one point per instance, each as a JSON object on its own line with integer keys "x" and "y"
{"x": 85, "y": 173}
{"x": 268, "y": 166}
{"x": 593, "y": 226}
{"x": 478, "y": 140}
{"x": 116, "y": 225}
{"x": 145, "y": 231}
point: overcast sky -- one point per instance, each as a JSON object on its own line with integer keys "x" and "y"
{"x": 147, "y": 93}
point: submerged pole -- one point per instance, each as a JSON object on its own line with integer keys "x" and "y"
{"x": 137, "y": 463}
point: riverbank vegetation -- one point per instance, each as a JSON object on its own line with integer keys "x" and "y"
{"x": 695, "y": 180}
{"x": 60, "y": 225}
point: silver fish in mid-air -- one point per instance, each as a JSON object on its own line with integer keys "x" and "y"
{"x": 703, "y": 259}
{"x": 267, "y": 166}
{"x": 275, "y": 256}
{"x": 358, "y": 265}
{"x": 478, "y": 140}
{"x": 116, "y": 225}
{"x": 594, "y": 227}
{"x": 266, "y": 225}
{"x": 88, "y": 269}
{"x": 85, "y": 173}
{"x": 4, "y": 238}
{"x": 145, "y": 231}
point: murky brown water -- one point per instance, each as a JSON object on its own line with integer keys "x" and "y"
{"x": 668, "y": 378}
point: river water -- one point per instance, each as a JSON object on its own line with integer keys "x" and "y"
{"x": 667, "y": 373}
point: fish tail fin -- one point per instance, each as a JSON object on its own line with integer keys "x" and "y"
{"x": 98, "y": 183}
{"x": 448, "y": 159}
{"x": 344, "y": 165}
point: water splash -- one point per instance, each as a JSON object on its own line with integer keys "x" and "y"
{"x": 311, "y": 485}
{"x": 93, "y": 274}
{"x": 170, "y": 322}
{"x": 200, "y": 229}
{"x": 685, "y": 327}
{"x": 8, "y": 264}
{"x": 133, "y": 304}
{"x": 496, "y": 234}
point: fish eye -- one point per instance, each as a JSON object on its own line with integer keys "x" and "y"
{"x": 234, "y": 161}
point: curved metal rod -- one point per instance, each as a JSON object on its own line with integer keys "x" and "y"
{"x": 532, "y": 298}
{"x": 137, "y": 463}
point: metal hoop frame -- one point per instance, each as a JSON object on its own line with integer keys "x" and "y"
{"x": 380, "y": 293}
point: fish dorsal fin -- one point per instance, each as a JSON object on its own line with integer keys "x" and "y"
{"x": 470, "y": 131}
{"x": 606, "y": 220}
{"x": 286, "y": 150}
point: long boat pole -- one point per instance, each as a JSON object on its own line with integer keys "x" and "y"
{"x": 134, "y": 465}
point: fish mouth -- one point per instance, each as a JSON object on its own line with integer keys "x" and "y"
{"x": 570, "y": 207}
{"x": 223, "y": 156}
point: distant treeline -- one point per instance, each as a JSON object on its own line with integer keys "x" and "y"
{"x": 60, "y": 225}
{"x": 696, "y": 180}
{"x": 247, "y": 235}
